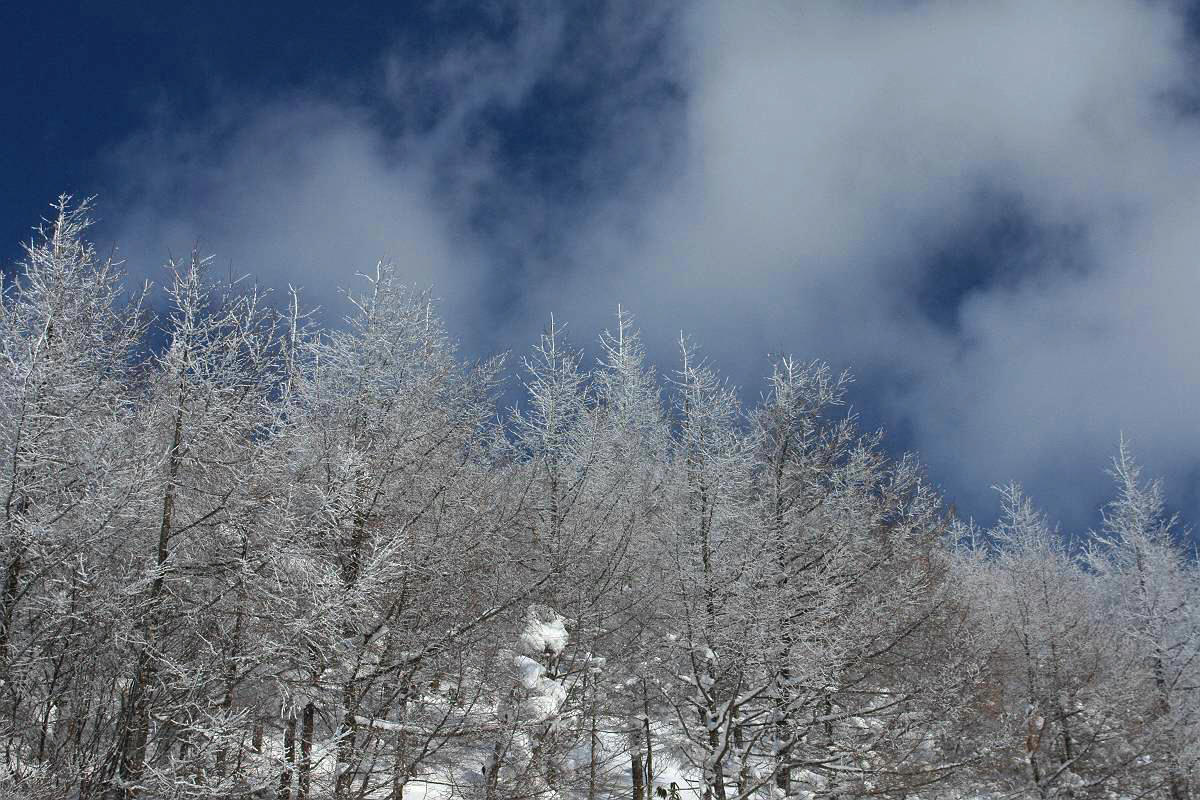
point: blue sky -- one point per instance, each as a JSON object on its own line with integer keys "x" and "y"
{"x": 988, "y": 211}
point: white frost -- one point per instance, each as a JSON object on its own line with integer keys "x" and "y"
{"x": 545, "y": 636}
{"x": 529, "y": 671}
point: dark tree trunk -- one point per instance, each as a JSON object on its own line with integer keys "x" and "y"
{"x": 289, "y": 751}
{"x": 133, "y": 739}
{"x": 306, "y": 743}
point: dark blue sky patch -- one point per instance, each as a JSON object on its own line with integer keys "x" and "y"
{"x": 570, "y": 141}
{"x": 1000, "y": 245}
{"x": 85, "y": 76}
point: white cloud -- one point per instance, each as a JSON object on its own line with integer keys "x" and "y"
{"x": 304, "y": 193}
{"x": 830, "y": 149}
{"x": 790, "y": 201}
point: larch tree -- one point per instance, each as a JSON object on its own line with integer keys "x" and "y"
{"x": 1152, "y": 586}
{"x": 201, "y": 423}
{"x": 710, "y": 562}
{"x": 392, "y": 513}
{"x": 66, "y": 419}
{"x": 1054, "y": 661}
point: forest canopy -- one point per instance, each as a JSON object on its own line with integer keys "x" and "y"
{"x": 248, "y": 557}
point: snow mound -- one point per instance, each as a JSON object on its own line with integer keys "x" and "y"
{"x": 545, "y": 632}
{"x": 529, "y": 672}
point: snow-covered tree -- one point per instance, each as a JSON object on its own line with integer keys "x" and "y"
{"x": 1050, "y": 721}
{"x": 201, "y": 424}
{"x": 246, "y": 556}
{"x": 395, "y": 526}
{"x": 66, "y": 419}
{"x": 1152, "y": 589}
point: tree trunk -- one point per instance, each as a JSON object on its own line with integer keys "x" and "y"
{"x": 12, "y": 580}
{"x": 347, "y": 734}
{"x": 649, "y": 742}
{"x": 493, "y": 774}
{"x": 306, "y": 743}
{"x": 133, "y": 739}
{"x": 592, "y": 739}
{"x": 718, "y": 776}
{"x": 227, "y": 700}
{"x": 400, "y": 768}
{"x": 289, "y": 756}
